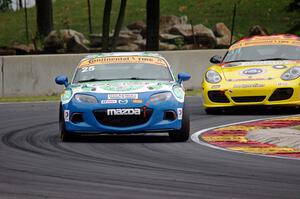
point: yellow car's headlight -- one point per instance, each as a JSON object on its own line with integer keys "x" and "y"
{"x": 291, "y": 74}
{"x": 212, "y": 77}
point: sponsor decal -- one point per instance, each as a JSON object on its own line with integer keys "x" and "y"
{"x": 179, "y": 113}
{"x": 124, "y": 86}
{"x": 282, "y": 83}
{"x": 252, "y": 71}
{"x": 125, "y": 101}
{"x": 122, "y": 96}
{"x": 215, "y": 86}
{"x": 248, "y": 85}
{"x": 123, "y": 60}
{"x": 129, "y": 111}
{"x": 249, "y": 79}
{"x": 137, "y": 101}
{"x": 67, "y": 115}
{"x": 67, "y": 94}
{"x": 263, "y": 41}
{"x": 109, "y": 101}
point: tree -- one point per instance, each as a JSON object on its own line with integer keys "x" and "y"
{"x": 44, "y": 16}
{"x": 5, "y": 5}
{"x": 119, "y": 23}
{"x": 106, "y": 24}
{"x": 152, "y": 37}
{"x": 20, "y": 4}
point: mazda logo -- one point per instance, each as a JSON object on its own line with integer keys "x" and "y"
{"x": 123, "y": 101}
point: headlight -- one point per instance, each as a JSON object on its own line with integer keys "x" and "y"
{"x": 291, "y": 74}
{"x": 212, "y": 77}
{"x": 161, "y": 97}
{"x": 85, "y": 98}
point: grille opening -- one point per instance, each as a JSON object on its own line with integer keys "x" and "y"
{"x": 217, "y": 96}
{"x": 122, "y": 120}
{"x": 77, "y": 117}
{"x": 248, "y": 99}
{"x": 169, "y": 115}
{"x": 281, "y": 94}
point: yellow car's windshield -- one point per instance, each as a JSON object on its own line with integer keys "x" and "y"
{"x": 263, "y": 52}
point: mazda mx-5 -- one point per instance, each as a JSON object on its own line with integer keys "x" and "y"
{"x": 123, "y": 93}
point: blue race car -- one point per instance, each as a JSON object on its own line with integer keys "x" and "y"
{"x": 123, "y": 93}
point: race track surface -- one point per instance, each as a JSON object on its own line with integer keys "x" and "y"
{"x": 36, "y": 164}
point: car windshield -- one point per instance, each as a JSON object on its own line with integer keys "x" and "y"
{"x": 263, "y": 52}
{"x": 122, "y": 71}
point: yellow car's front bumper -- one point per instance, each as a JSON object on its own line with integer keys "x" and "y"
{"x": 250, "y": 93}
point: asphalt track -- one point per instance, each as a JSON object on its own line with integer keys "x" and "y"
{"x": 36, "y": 164}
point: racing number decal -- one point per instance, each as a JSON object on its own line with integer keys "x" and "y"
{"x": 179, "y": 113}
{"x": 88, "y": 69}
{"x": 67, "y": 115}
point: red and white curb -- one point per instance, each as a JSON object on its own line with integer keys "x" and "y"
{"x": 232, "y": 137}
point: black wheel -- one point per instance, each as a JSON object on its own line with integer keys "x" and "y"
{"x": 182, "y": 134}
{"x": 65, "y": 136}
{"x": 213, "y": 111}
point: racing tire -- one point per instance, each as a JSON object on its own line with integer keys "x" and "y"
{"x": 183, "y": 134}
{"x": 65, "y": 135}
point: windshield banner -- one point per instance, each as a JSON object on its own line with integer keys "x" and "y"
{"x": 124, "y": 60}
{"x": 256, "y": 42}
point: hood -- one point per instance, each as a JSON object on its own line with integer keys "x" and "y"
{"x": 121, "y": 86}
{"x": 262, "y": 70}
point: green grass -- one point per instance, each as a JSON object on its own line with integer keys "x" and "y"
{"x": 296, "y": 127}
{"x": 193, "y": 92}
{"x": 29, "y": 99}
{"x": 268, "y": 13}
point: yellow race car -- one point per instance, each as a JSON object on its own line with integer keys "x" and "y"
{"x": 260, "y": 70}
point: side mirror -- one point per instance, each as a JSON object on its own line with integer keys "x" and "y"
{"x": 62, "y": 80}
{"x": 216, "y": 59}
{"x": 183, "y": 77}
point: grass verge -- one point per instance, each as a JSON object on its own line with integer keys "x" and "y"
{"x": 193, "y": 92}
{"x": 296, "y": 127}
{"x": 29, "y": 99}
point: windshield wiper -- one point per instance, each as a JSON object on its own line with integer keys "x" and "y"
{"x": 130, "y": 78}
{"x": 139, "y": 78}
{"x": 241, "y": 60}
{"x": 94, "y": 80}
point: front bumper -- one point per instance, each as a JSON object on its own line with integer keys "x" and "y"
{"x": 155, "y": 123}
{"x": 249, "y": 93}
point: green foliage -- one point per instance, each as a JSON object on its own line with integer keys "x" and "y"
{"x": 5, "y": 5}
{"x": 271, "y": 14}
{"x": 179, "y": 42}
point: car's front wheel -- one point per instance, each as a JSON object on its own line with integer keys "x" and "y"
{"x": 65, "y": 136}
{"x": 183, "y": 133}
